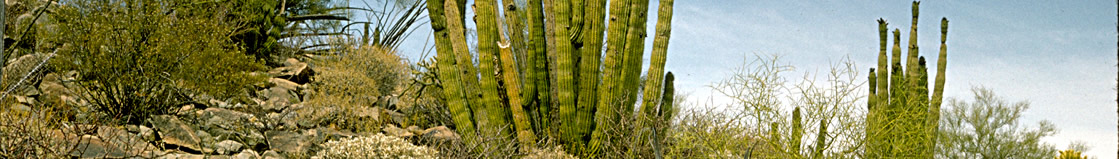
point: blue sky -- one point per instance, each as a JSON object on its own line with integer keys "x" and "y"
{"x": 1058, "y": 55}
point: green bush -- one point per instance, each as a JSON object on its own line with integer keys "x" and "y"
{"x": 137, "y": 60}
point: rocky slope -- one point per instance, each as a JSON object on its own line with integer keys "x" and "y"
{"x": 276, "y": 124}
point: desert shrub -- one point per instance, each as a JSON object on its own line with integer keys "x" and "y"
{"x": 710, "y": 132}
{"x": 495, "y": 147}
{"x": 548, "y": 153}
{"x": 364, "y": 72}
{"x": 757, "y": 122}
{"x": 356, "y": 79}
{"x": 422, "y": 98}
{"x": 374, "y": 147}
{"x": 136, "y": 60}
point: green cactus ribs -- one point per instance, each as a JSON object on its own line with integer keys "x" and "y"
{"x": 523, "y": 90}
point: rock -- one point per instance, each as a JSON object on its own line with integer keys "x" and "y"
{"x": 287, "y": 142}
{"x": 218, "y": 103}
{"x": 184, "y": 110}
{"x": 175, "y": 132}
{"x": 94, "y": 147}
{"x": 54, "y": 87}
{"x": 414, "y": 129}
{"x": 60, "y": 77}
{"x": 395, "y": 117}
{"x": 55, "y": 93}
{"x": 285, "y": 84}
{"x": 130, "y": 142}
{"x": 291, "y": 62}
{"x": 110, "y": 142}
{"x": 18, "y": 68}
{"x": 227, "y": 147}
{"x": 208, "y": 140}
{"x": 254, "y": 139}
{"x": 293, "y": 70}
{"x": 271, "y": 155}
{"x": 21, "y": 107}
{"x": 392, "y": 130}
{"x": 300, "y": 116}
{"x": 278, "y": 98}
{"x": 144, "y": 132}
{"x": 388, "y": 101}
{"x": 229, "y": 119}
{"x": 440, "y": 133}
{"x": 24, "y": 99}
{"x": 246, "y": 154}
{"x": 192, "y": 156}
{"x": 367, "y": 112}
{"x": 328, "y": 134}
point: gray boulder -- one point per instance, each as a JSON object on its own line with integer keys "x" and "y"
{"x": 228, "y": 147}
{"x": 175, "y": 132}
{"x": 288, "y": 142}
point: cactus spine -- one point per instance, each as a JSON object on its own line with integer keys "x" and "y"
{"x": 902, "y": 120}
{"x": 565, "y": 43}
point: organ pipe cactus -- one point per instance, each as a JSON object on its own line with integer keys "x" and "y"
{"x": 665, "y": 113}
{"x": 902, "y": 120}
{"x": 453, "y": 86}
{"x": 571, "y": 91}
{"x": 798, "y": 132}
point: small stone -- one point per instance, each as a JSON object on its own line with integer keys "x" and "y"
{"x": 227, "y": 147}
{"x": 295, "y": 71}
{"x": 285, "y": 84}
{"x": 246, "y": 154}
{"x": 286, "y": 141}
{"x": 174, "y": 132}
{"x": 271, "y": 155}
{"x": 186, "y": 109}
{"x": 21, "y": 107}
{"x": 440, "y": 133}
{"x": 414, "y": 129}
{"x": 392, "y": 130}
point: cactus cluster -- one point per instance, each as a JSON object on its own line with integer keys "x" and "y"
{"x": 902, "y": 120}
{"x": 543, "y": 74}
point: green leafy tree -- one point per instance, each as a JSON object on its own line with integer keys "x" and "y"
{"x": 989, "y": 127}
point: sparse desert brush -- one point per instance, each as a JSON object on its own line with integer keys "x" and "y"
{"x": 364, "y": 73}
{"x": 376, "y": 146}
{"x": 709, "y": 132}
{"x": 548, "y": 153}
{"x": 356, "y": 79}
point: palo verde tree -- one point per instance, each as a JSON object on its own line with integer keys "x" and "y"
{"x": 543, "y": 74}
{"x": 902, "y": 119}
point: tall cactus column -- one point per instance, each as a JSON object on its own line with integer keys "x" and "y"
{"x": 938, "y": 87}
{"x": 608, "y": 92}
{"x": 902, "y": 120}
{"x": 449, "y": 73}
{"x": 564, "y": 42}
